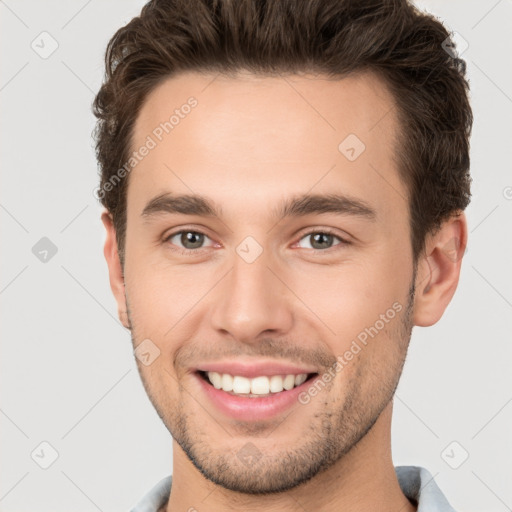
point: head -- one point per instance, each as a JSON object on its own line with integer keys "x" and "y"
{"x": 283, "y": 181}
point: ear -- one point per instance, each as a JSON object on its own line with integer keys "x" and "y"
{"x": 114, "y": 268}
{"x": 439, "y": 270}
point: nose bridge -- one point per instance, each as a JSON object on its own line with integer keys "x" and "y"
{"x": 251, "y": 299}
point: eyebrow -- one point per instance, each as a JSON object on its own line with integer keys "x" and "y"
{"x": 297, "y": 206}
{"x": 308, "y": 204}
{"x": 184, "y": 204}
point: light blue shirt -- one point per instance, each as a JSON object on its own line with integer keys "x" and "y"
{"x": 416, "y": 483}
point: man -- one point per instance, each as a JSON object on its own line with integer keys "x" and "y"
{"x": 284, "y": 185}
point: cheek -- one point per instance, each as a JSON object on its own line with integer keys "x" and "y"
{"x": 370, "y": 360}
{"x": 152, "y": 285}
{"x": 167, "y": 301}
{"x": 352, "y": 296}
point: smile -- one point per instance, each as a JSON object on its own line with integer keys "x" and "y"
{"x": 253, "y": 399}
{"x": 257, "y": 386}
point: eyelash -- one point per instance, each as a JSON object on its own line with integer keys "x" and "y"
{"x": 324, "y": 231}
{"x": 183, "y": 251}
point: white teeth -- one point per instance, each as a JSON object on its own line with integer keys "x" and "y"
{"x": 276, "y": 383}
{"x": 289, "y": 382}
{"x": 300, "y": 379}
{"x": 215, "y": 379}
{"x": 241, "y": 384}
{"x": 258, "y": 385}
{"x": 226, "y": 382}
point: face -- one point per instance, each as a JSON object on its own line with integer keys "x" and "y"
{"x": 295, "y": 259}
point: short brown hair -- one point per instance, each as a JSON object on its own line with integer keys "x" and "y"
{"x": 405, "y": 47}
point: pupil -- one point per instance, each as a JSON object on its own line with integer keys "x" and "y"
{"x": 192, "y": 240}
{"x": 321, "y": 240}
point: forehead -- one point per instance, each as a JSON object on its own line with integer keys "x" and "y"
{"x": 250, "y": 139}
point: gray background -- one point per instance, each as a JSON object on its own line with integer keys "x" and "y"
{"x": 67, "y": 373}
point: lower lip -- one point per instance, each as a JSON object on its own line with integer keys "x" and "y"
{"x": 253, "y": 409}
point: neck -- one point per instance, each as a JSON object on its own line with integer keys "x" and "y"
{"x": 364, "y": 479}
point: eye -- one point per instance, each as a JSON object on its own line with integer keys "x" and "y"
{"x": 188, "y": 240}
{"x": 320, "y": 240}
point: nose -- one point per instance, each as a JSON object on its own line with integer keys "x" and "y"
{"x": 252, "y": 301}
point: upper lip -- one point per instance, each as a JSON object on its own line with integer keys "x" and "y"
{"x": 254, "y": 369}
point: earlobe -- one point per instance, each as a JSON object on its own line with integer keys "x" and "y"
{"x": 439, "y": 270}
{"x": 115, "y": 270}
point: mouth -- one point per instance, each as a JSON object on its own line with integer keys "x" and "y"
{"x": 234, "y": 398}
{"x": 256, "y": 387}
